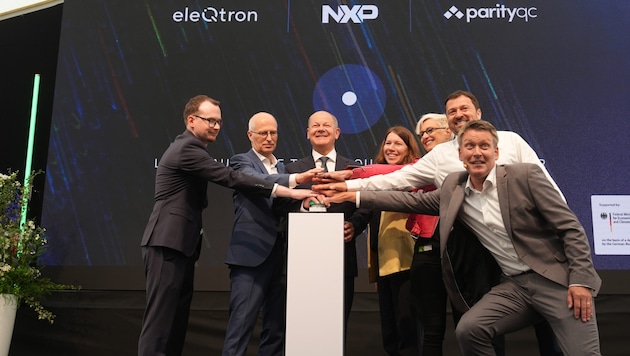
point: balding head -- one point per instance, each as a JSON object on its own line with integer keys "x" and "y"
{"x": 263, "y": 133}
{"x": 322, "y": 131}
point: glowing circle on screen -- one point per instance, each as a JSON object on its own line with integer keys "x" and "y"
{"x": 354, "y": 94}
{"x": 349, "y": 98}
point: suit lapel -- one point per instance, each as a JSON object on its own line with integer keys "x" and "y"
{"x": 454, "y": 205}
{"x": 450, "y": 229}
{"x": 309, "y": 163}
{"x": 450, "y": 215}
{"x": 341, "y": 163}
{"x": 302, "y": 165}
{"x": 261, "y": 167}
{"x": 504, "y": 203}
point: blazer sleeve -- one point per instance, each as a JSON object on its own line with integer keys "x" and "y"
{"x": 374, "y": 169}
{"x": 564, "y": 223}
{"x": 195, "y": 159}
{"x": 405, "y": 202}
{"x": 281, "y": 207}
{"x": 243, "y": 163}
{"x": 360, "y": 219}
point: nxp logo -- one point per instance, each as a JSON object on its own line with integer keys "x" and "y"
{"x": 345, "y": 14}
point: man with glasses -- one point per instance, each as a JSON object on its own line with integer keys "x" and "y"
{"x": 171, "y": 243}
{"x": 257, "y": 251}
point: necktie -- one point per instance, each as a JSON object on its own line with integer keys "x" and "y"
{"x": 324, "y": 159}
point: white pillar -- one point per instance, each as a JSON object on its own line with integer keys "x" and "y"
{"x": 315, "y": 271}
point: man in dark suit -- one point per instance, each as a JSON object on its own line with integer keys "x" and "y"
{"x": 322, "y": 132}
{"x": 257, "y": 251}
{"x": 532, "y": 234}
{"x": 172, "y": 238}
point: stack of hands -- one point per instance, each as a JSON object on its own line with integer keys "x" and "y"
{"x": 330, "y": 188}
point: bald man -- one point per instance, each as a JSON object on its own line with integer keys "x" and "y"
{"x": 256, "y": 255}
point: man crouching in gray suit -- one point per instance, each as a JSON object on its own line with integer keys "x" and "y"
{"x": 535, "y": 238}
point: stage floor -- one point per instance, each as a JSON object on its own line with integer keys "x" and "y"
{"x": 108, "y": 323}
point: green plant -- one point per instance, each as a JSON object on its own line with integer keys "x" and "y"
{"x": 21, "y": 244}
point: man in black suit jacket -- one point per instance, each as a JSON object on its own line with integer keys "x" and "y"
{"x": 171, "y": 242}
{"x": 322, "y": 132}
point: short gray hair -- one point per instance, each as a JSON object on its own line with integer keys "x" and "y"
{"x": 479, "y": 125}
{"x": 441, "y": 118}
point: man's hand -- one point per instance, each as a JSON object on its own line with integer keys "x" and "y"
{"x": 336, "y": 176}
{"x": 318, "y": 199}
{"x": 307, "y": 176}
{"x": 339, "y": 187}
{"x": 301, "y": 194}
{"x": 339, "y": 197}
{"x": 348, "y": 231}
{"x": 581, "y": 300}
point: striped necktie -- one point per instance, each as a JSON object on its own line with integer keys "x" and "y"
{"x": 324, "y": 159}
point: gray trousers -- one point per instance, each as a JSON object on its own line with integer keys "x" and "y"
{"x": 520, "y": 301}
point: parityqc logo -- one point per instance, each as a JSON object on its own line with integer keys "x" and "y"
{"x": 499, "y": 12}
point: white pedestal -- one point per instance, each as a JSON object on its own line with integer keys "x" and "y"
{"x": 315, "y": 273}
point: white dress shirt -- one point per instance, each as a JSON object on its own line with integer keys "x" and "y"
{"x": 272, "y": 168}
{"x": 330, "y": 164}
{"x": 443, "y": 159}
{"x": 481, "y": 212}
{"x": 332, "y": 159}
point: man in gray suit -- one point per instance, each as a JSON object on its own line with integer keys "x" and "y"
{"x": 257, "y": 251}
{"x": 172, "y": 238}
{"x": 535, "y": 238}
{"x": 460, "y": 107}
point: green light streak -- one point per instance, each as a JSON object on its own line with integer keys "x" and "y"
{"x": 155, "y": 29}
{"x": 29, "y": 150}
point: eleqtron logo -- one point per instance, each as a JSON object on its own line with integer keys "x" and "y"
{"x": 498, "y": 12}
{"x": 214, "y": 15}
{"x": 345, "y": 14}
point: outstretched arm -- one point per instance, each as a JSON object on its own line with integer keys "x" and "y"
{"x": 297, "y": 194}
{"x": 405, "y": 202}
{"x": 335, "y": 176}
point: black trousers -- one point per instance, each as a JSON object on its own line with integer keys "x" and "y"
{"x": 398, "y": 322}
{"x": 169, "y": 287}
{"x": 428, "y": 295}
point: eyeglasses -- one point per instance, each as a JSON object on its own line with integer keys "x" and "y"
{"x": 429, "y": 131}
{"x": 266, "y": 133}
{"x": 211, "y": 122}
